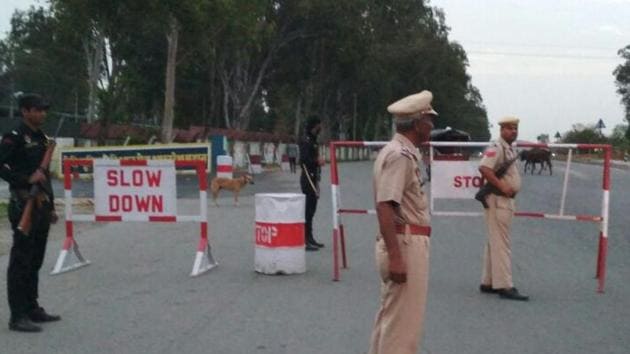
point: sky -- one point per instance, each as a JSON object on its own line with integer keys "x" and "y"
{"x": 7, "y": 9}
{"x": 549, "y": 62}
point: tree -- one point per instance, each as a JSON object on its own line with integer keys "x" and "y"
{"x": 622, "y": 76}
{"x": 618, "y": 137}
{"x": 255, "y": 64}
{"x": 543, "y": 138}
{"x": 584, "y": 135}
{"x": 36, "y": 58}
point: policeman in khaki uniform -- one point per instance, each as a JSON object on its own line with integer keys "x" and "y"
{"x": 402, "y": 246}
{"x": 497, "y": 263}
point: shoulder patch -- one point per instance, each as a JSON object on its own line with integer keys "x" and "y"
{"x": 11, "y": 138}
{"x": 490, "y": 152}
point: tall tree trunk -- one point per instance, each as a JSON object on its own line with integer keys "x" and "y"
{"x": 326, "y": 132}
{"x": 94, "y": 53}
{"x": 226, "y": 101}
{"x": 354, "y": 117}
{"x": 298, "y": 118}
{"x": 169, "y": 94}
{"x": 245, "y": 113}
{"x": 212, "y": 110}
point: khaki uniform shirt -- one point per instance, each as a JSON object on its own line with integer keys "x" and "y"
{"x": 397, "y": 178}
{"x": 495, "y": 155}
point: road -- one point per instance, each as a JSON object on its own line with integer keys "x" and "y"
{"x": 136, "y": 297}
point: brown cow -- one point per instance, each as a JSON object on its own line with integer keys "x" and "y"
{"x": 534, "y": 156}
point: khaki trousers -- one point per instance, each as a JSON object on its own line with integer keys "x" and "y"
{"x": 399, "y": 321}
{"x": 497, "y": 258}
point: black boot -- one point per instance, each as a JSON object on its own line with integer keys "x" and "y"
{"x": 40, "y": 315}
{"x": 23, "y": 324}
{"x": 315, "y": 243}
{"x": 310, "y": 247}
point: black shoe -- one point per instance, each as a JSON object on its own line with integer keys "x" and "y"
{"x": 488, "y": 289}
{"x": 512, "y": 294}
{"x": 315, "y": 243}
{"x": 39, "y": 315}
{"x": 24, "y": 325}
{"x": 310, "y": 247}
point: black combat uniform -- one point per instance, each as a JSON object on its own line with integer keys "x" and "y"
{"x": 309, "y": 156}
{"x": 21, "y": 152}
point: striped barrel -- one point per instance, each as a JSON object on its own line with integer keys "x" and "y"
{"x": 279, "y": 233}
{"x": 224, "y": 166}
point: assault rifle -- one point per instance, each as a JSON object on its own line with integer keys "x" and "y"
{"x": 35, "y": 192}
{"x": 490, "y": 188}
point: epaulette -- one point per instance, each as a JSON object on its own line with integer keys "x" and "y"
{"x": 407, "y": 153}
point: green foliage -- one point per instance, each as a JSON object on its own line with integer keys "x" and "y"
{"x": 36, "y": 57}
{"x": 619, "y": 138}
{"x": 622, "y": 76}
{"x": 584, "y": 135}
{"x": 543, "y": 138}
{"x": 247, "y": 64}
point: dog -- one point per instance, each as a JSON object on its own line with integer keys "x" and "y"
{"x": 235, "y": 185}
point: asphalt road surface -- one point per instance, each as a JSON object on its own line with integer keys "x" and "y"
{"x": 136, "y": 297}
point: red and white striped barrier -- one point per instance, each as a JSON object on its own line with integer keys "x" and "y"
{"x": 224, "y": 166}
{"x": 279, "y": 233}
{"x": 131, "y": 175}
{"x": 338, "y": 228}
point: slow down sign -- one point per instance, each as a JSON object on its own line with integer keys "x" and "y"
{"x": 146, "y": 188}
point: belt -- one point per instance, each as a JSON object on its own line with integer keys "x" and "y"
{"x": 412, "y": 229}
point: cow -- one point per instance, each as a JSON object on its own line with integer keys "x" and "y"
{"x": 535, "y": 156}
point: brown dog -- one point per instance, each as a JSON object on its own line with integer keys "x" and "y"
{"x": 235, "y": 185}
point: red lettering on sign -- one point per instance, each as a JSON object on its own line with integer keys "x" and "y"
{"x": 458, "y": 182}
{"x": 114, "y": 203}
{"x": 127, "y": 203}
{"x": 123, "y": 182}
{"x": 136, "y": 178}
{"x": 139, "y": 178}
{"x": 111, "y": 178}
{"x": 154, "y": 178}
{"x": 155, "y": 203}
{"x": 467, "y": 181}
{"x": 477, "y": 181}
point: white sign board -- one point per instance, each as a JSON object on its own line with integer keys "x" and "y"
{"x": 455, "y": 179}
{"x": 135, "y": 190}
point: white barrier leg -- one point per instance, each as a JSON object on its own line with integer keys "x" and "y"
{"x": 203, "y": 259}
{"x": 69, "y": 258}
